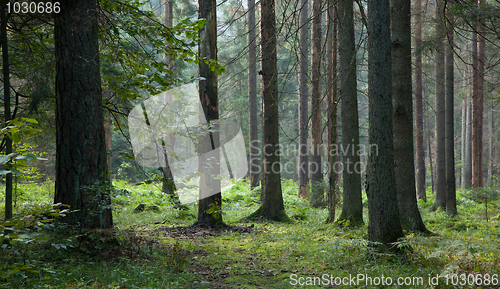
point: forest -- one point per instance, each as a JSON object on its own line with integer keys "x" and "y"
{"x": 250, "y": 144}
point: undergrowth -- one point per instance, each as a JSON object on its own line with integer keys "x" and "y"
{"x": 144, "y": 250}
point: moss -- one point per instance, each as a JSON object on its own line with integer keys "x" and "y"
{"x": 145, "y": 207}
{"x": 351, "y": 221}
{"x": 259, "y": 214}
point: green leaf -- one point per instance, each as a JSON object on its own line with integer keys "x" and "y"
{"x": 29, "y": 157}
{"x": 30, "y": 120}
{"x": 16, "y": 137}
{"x": 4, "y": 172}
{"x": 4, "y": 159}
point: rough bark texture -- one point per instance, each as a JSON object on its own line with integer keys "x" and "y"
{"x": 272, "y": 199}
{"x": 169, "y": 22}
{"x": 81, "y": 167}
{"x": 317, "y": 192}
{"x": 403, "y": 116}
{"x": 419, "y": 110}
{"x": 331, "y": 64}
{"x": 6, "y": 94}
{"x": 440, "y": 201}
{"x": 491, "y": 161}
{"x": 252, "y": 96}
{"x": 477, "y": 107}
{"x": 468, "y": 146}
{"x": 108, "y": 134}
{"x": 208, "y": 206}
{"x": 462, "y": 144}
{"x": 384, "y": 225}
{"x": 352, "y": 207}
{"x": 303, "y": 97}
{"x": 168, "y": 184}
{"x": 429, "y": 148}
{"x": 451, "y": 197}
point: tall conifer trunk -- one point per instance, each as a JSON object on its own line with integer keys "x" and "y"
{"x": 210, "y": 200}
{"x": 451, "y": 197}
{"x": 252, "y": 96}
{"x": 403, "y": 116}
{"x": 440, "y": 201}
{"x": 331, "y": 64}
{"x": 272, "y": 207}
{"x": 317, "y": 192}
{"x": 352, "y": 207}
{"x": 303, "y": 99}
{"x": 81, "y": 166}
{"x": 419, "y": 110}
{"x": 384, "y": 225}
{"x": 478, "y": 57}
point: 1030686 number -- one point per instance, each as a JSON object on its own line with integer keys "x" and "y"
{"x": 33, "y": 7}
{"x": 471, "y": 279}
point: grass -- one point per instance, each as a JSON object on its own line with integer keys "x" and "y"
{"x": 141, "y": 252}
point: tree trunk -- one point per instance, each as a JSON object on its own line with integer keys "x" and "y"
{"x": 108, "y": 134}
{"x": 303, "y": 98}
{"x": 210, "y": 200}
{"x": 6, "y": 94}
{"x": 168, "y": 184}
{"x": 430, "y": 159}
{"x": 419, "y": 120}
{"x": 384, "y": 225}
{"x": 451, "y": 195}
{"x": 252, "y": 97}
{"x": 169, "y": 22}
{"x": 317, "y": 192}
{"x": 440, "y": 201}
{"x": 352, "y": 207}
{"x": 81, "y": 168}
{"x": 491, "y": 163}
{"x": 468, "y": 146}
{"x": 462, "y": 144}
{"x": 272, "y": 199}
{"x": 402, "y": 116}
{"x": 477, "y": 107}
{"x": 331, "y": 64}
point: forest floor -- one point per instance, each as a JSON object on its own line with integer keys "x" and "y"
{"x": 158, "y": 247}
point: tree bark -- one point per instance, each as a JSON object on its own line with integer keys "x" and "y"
{"x": 419, "y": 120}
{"x": 6, "y": 94}
{"x": 272, "y": 207}
{"x": 108, "y": 134}
{"x": 384, "y": 225}
{"x": 168, "y": 184}
{"x": 210, "y": 200}
{"x": 252, "y": 97}
{"x": 451, "y": 196}
{"x": 352, "y": 207}
{"x": 81, "y": 167}
{"x": 430, "y": 158}
{"x": 317, "y": 192}
{"x": 462, "y": 144}
{"x": 440, "y": 201}
{"x": 331, "y": 64}
{"x": 468, "y": 146}
{"x": 402, "y": 116}
{"x": 491, "y": 163}
{"x": 477, "y": 106}
{"x": 303, "y": 98}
